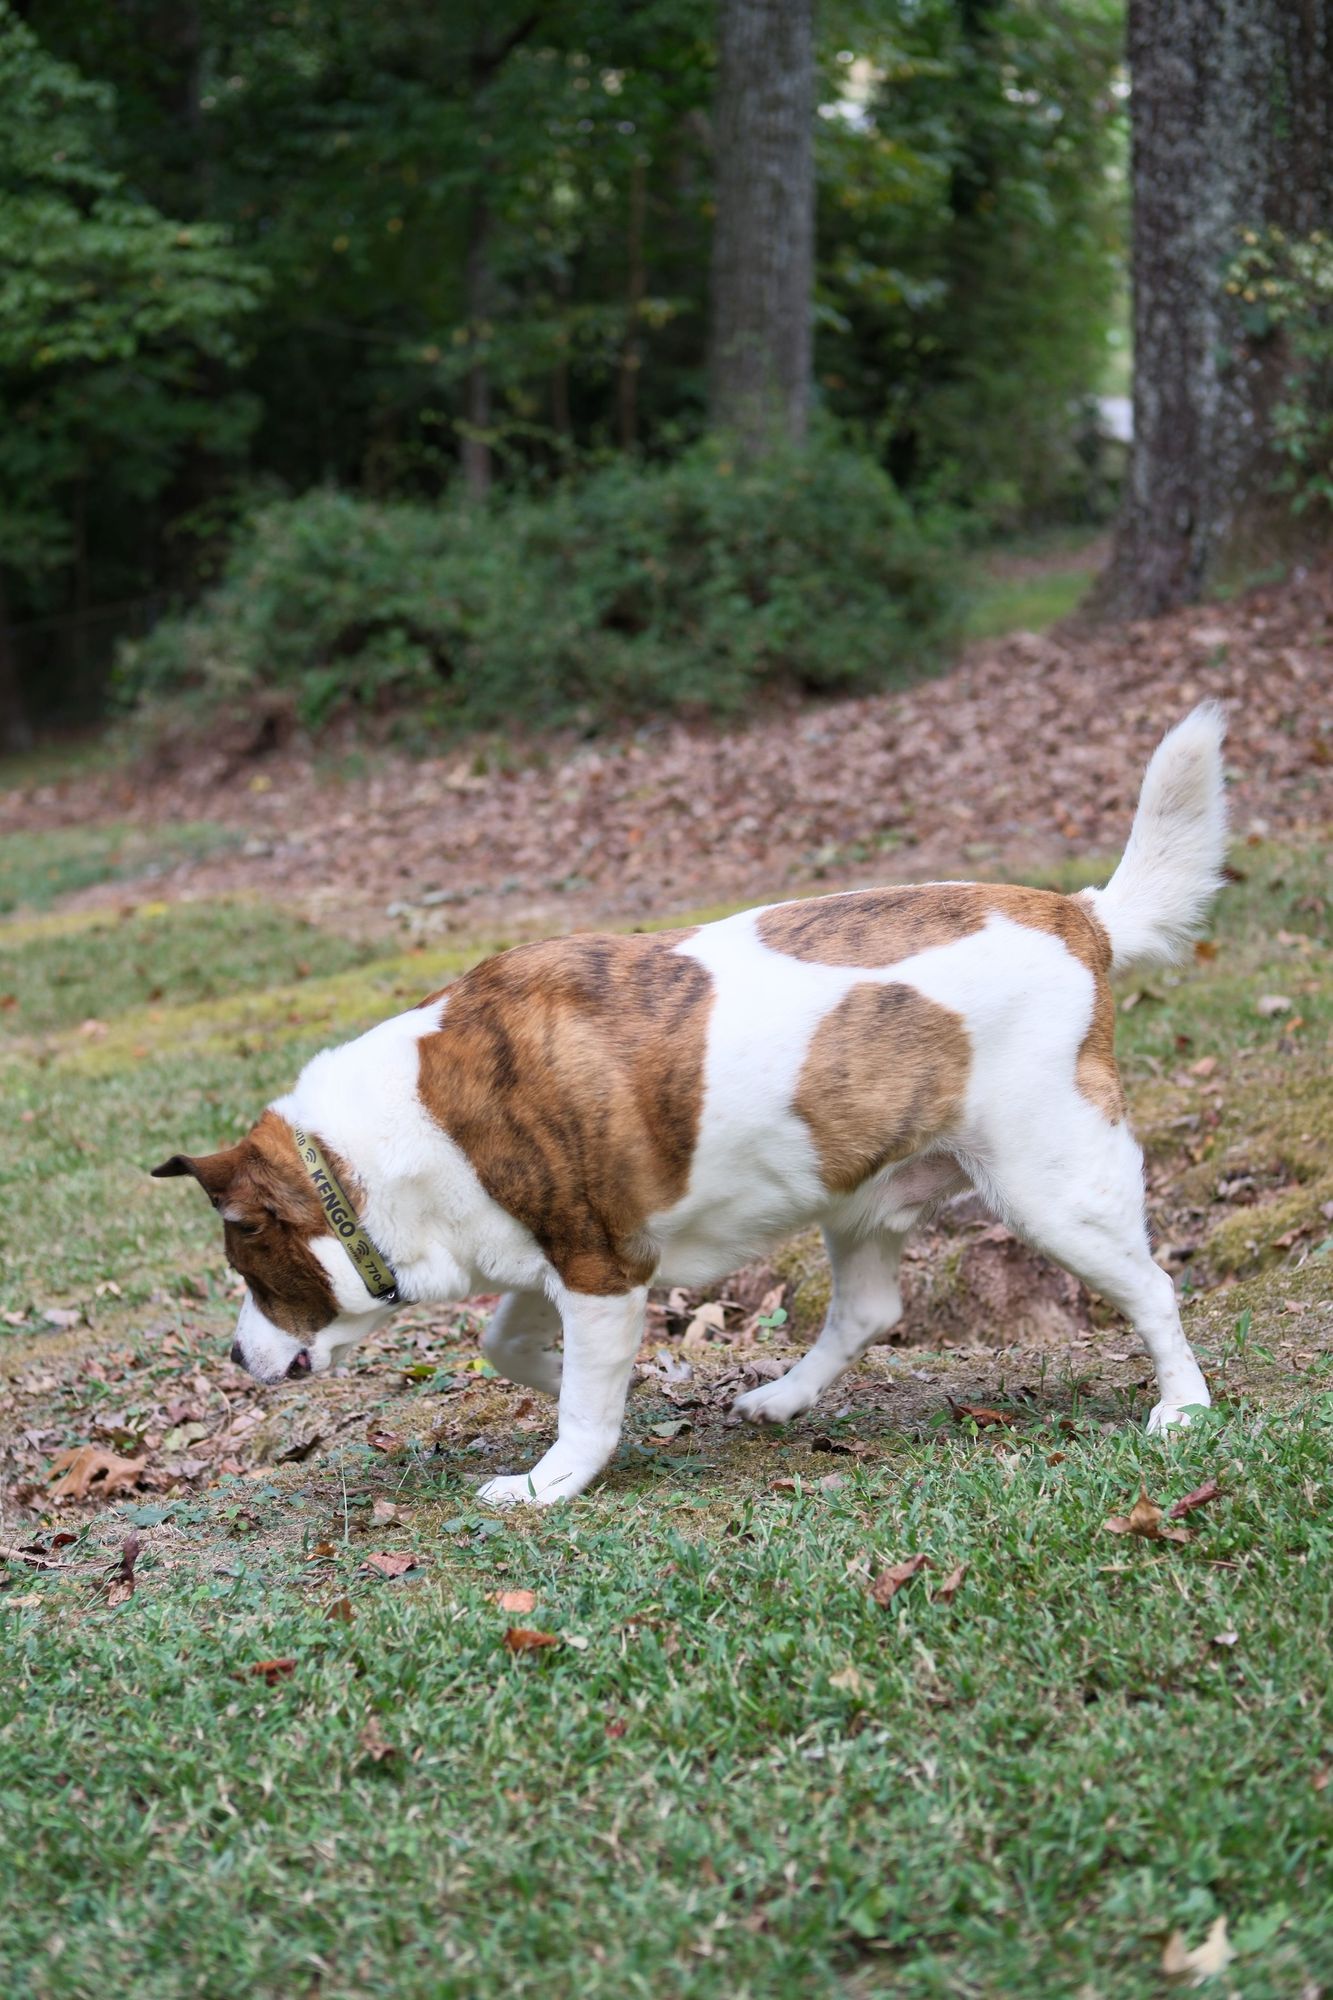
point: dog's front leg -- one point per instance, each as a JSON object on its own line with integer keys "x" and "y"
{"x": 602, "y": 1337}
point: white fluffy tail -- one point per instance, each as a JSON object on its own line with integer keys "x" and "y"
{"x": 1172, "y": 864}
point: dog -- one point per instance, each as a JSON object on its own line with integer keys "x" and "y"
{"x": 576, "y": 1120}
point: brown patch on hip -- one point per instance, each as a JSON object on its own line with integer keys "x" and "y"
{"x": 571, "y": 1074}
{"x": 885, "y": 1074}
{"x": 878, "y": 928}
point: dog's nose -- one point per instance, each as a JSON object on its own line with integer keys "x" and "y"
{"x": 236, "y": 1354}
{"x": 301, "y": 1365}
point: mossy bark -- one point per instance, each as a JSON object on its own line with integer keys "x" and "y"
{"x": 1232, "y": 130}
{"x": 763, "y": 242}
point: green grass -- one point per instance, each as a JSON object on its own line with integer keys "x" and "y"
{"x": 750, "y": 1782}
{"x": 37, "y": 868}
{"x": 178, "y": 954}
{"x": 746, "y": 1779}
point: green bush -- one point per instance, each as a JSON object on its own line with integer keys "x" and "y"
{"x": 689, "y": 586}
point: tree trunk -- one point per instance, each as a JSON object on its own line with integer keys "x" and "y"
{"x": 15, "y": 729}
{"x": 477, "y": 384}
{"x": 1232, "y": 113}
{"x": 763, "y": 239}
{"x": 627, "y": 381}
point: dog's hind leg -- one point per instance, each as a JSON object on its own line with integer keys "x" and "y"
{"x": 866, "y": 1302}
{"x": 1080, "y": 1201}
{"x": 519, "y": 1340}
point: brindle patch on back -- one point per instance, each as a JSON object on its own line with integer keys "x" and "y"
{"x": 571, "y": 1074}
{"x": 880, "y": 927}
{"x": 885, "y": 1074}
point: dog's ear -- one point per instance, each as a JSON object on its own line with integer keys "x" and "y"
{"x": 215, "y": 1172}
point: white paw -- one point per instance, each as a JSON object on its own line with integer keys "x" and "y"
{"x": 1169, "y": 1416}
{"x": 775, "y": 1402}
{"x": 514, "y": 1490}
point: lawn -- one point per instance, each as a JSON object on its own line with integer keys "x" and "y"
{"x": 274, "y": 1770}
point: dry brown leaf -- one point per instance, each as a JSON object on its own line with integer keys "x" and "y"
{"x": 374, "y": 1744}
{"x": 1145, "y": 1519}
{"x": 982, "y": 1415}
{"x": 1214, "y": 1955}
{"x": 1200, "y": 1497}
{"x": 848, "y": 1681}
{"x": 340, "y": 1612}
{"x": 86, "y": 1466}
{"x": 710, "y": 1318}
{"x": 524, "y": 1639}
{"x": 885, "y": 1587}
{"x": 842, "y": 1447}
{"x": 1269, "y": 1004}
{"x": 273, "y": 1671}
{"x": 391, "y": 1562}
{"x": 383, "y": 1512}
{"x": 119, "y": 1586}
{"x": 948, "y": 1590}
{"x": 516, "y": 1600}
{"x": 379, "y": 1440}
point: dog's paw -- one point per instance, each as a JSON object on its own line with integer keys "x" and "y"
{"x": 774, "y": 1402}
{"x": 1167, "y": 1417}
{"x": 514, "y": 1490}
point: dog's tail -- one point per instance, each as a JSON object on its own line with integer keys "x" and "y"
{"x": 1172, "y": 865}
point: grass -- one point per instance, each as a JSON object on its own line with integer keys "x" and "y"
{"x": 735, "y": 1775}
{"x": 1031, "y": 583}
{"x": 39, "y": 867}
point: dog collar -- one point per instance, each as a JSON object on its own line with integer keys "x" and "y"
{"x": 374, "y": 1270}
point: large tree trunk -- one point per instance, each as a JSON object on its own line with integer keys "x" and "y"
{"x": 1232, "y": 112}
{"x": 15, "y": 730}
{"x": 763, "y": 240}
{"x": 477, "y": 383}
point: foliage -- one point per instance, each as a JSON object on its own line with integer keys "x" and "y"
{"x": 114, "y": 320}
{"x": 429, "y": 199}
{"x": 1285, "y": 284}
{"x": 689, "y": 585}
{"x": 972, "y": 193}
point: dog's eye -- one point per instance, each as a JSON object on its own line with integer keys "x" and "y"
{"x": 247, "y": 1228}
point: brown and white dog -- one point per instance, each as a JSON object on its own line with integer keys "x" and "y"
{"x": 577, "y": 1120}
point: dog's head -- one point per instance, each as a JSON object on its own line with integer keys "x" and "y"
{"x": 305, "y": 1303}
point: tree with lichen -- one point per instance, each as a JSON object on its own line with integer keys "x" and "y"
{"x": 1232, "y": 116}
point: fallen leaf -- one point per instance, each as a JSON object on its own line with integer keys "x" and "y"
{"x": 524, "y": 1639}
{"x": 340, "y": 1612}
{"x": 843, "y": 1447}
{"x": 1214, "y": 1955}
{"x": 85, "y": 1467}
{"x": 1227, "y": 1638}
{"x": 93, "y": 1029}
{"x": 384, "y": 1511}
{"x": 948, "y": 1590}
{"x": 1204, "y": 1066}
{"x": 379, "y": 1440}
{"x": 1145, "y": 1519}
{"x": 374, "y": 1744}
{"x": 783, "y": 1485}
{"x": 710, "y": 1318}
{"x": 885, "y": 1587}
{"x": 1269, "y": 1004}
{"x": 273, "y": 1671}
{"x": 981, "y": 1414}
{"x": 392, "y": 1562}
{"x": 848, "y": 1681}
{"x": 516, "y": 1600}
{"x": 1200, "y": 1497}
{"x": 1205, "y": 949}
{"x": 119, "y": 1586}
{"x": 62, "y": 1316}
{"x": 1320, "y": 1780}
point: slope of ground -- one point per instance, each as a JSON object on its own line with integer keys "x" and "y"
{"x": 270, "y": 1723}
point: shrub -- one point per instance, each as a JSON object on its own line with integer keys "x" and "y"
{"x": 689, "y": 586}
{"x": 1285, "y": 284}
